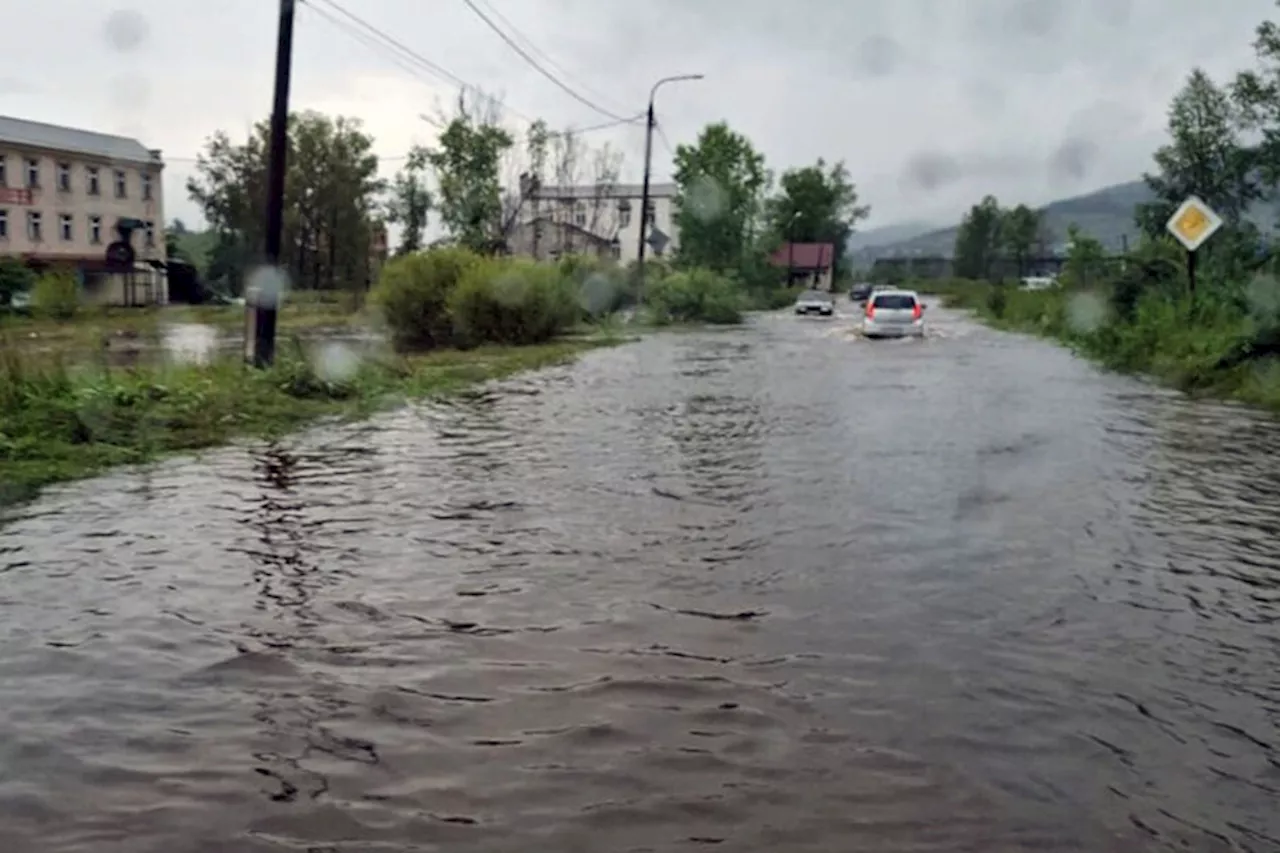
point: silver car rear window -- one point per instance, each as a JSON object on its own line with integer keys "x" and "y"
{"x": 895, "y": 301}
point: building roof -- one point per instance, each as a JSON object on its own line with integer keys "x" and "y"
{"x": 34, "y": 134}
{"x": 606, "y": 190}
{"x": 567, "y": 226}
{"x": 808, "y": 256}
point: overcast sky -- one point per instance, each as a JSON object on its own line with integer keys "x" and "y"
{"x": 932, "y": 103}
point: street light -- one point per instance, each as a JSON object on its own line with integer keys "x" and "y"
{"x": 648, "y": 166}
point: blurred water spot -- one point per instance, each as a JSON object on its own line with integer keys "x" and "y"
{"x": 1073, "y": 158}
{"x": 596, "y": 295}
{"x": 191, "y": 343}
{"x": 1086, "y": 312}
{"x": 879, "y": 55}
{"x": 1263, "y": 296}
{"x": 334, "y": 361}
{"x": 266, "y": 286}
{"x": 706, "y": 200}
{"x": 509, "y": 289}
{"x": 126, "y": 30}
{"x": 930, "y": 170}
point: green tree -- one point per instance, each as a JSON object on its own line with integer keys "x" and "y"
{"x": 1205, "y": 156}
{"x": 978, "y": 240}
{"x": 1257, "y": 93}
{"x": 1086, "y": 259}
{"x": 15, "y": 277}
{"x": 721, "y": 181}
{"x": 331, "y": 192}
{"x": 1021, "y": 231}
{"x": 468, "y": 165}
{"x": 817, "y": 204}
{"x": 410, "y": 201}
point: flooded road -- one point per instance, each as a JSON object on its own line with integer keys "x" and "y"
{"x": 768, "y": 589}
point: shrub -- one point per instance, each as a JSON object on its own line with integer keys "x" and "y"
{"x": 603, "y": 286}
{"x": 513, "y": 301}
{"x": 56, "y": 295}
{"x": 15, "y": 277}
{"x": 695, "y": 296}
{"x": 413, "y": 294}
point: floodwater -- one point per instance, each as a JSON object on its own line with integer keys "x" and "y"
{"x": 768, "y": 589}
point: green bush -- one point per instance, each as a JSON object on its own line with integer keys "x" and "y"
{"x": 56, "y": 295}
{"x": 603, "y": 287}
{"x": 695, "y": 296}
{"x": 15, "y": 277}
{"x": 513, "y": 301}
{"x": 413, "y": 294}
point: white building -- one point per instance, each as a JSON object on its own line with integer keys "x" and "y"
{"x": 64, "y": 195}
{"x": 593, "y": 219}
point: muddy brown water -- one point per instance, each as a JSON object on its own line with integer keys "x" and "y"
{"x": 771, "y": 589}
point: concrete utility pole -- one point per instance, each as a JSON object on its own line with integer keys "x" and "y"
{"x": 650, "y": 124}
{"x": 263, "y": 305}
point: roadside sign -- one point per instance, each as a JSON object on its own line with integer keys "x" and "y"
{"x": 1193, "y": 223}
{"x": 657, "y": 240}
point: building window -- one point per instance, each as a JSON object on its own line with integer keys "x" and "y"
{"x": 94, "y": 187}
{"x": 149, "y": 229}
{"x": 35, "y": 229}
{"x": 64, "y": 177}
{"x": 4, "y": 171}
{"x": 122, "y": 184}
{"x": 95, "y": 230}
{"x": 650, "y": 214}
{"x": 580, "y": 218}
{"x": 64, "y": 227}
{"x": 4, "y": 225}
{"x": 33, "y": 174}
{"x": 146, "y": 186}
{"x": 624, "y": 217}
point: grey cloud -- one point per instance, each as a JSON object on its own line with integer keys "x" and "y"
{"x": 879, "y": 55}
{"x": 1073, "y": 159}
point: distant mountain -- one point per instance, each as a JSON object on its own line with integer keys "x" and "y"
{"x": 887, "y": 234}
{"x": 1106, "y": 214}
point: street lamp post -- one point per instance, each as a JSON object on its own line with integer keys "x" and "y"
{"x": 650, "y": 123}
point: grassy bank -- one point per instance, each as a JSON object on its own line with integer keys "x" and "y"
{"x": 59, "y": 424}
{"x": 1225, "y": 342}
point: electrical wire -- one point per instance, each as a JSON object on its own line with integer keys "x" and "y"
{"x": 413, "y": 62}
{"x": 533, "y": 63}
{"x": 543, "y": 55}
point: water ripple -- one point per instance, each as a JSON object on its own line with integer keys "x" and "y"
{"x": 765, "y": 589}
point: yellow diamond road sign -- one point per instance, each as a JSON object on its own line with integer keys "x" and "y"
{"x": 1193, "y": 223}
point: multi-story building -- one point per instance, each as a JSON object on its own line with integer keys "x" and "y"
{"x": 66, "y": 195}
{"x": 599, "y": 219}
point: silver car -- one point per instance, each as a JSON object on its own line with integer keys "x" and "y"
{"x": 815, "y": 302}
{"x": 894, "y": 314}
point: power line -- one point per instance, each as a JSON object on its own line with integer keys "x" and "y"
{"x": 414, "y": 63}
{"x": 524, "y": 54}
{"x": 534, "y": 49}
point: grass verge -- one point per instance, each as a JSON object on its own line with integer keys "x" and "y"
{"x": 1210, "y": 346}
{"x": 59, "y": 424}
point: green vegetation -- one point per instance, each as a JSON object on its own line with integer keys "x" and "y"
{"x": 59, "y": 424}
{"x": 1141, "y": 311}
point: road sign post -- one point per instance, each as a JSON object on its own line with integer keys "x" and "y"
{"x": 1193, "y": 223}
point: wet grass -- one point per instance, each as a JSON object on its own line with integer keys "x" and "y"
{"x": 94, "y": 327}
{"x": 59, "y": 423}
{"x": 1208, "y": 347}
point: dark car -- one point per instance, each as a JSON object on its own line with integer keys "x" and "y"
{"x": 861, "y": 292}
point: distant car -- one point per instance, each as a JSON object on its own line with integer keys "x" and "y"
{"x": 861, "y": 292}
{"x": 894, "y": 314}
{"x": 1038, "y": 282}
{"x": 815, "y": 302}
